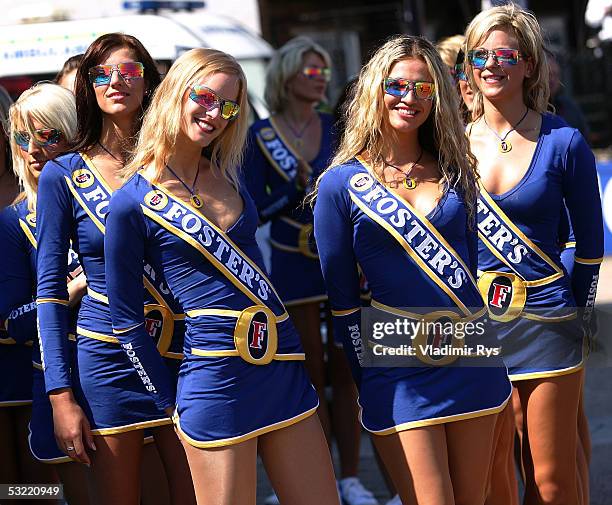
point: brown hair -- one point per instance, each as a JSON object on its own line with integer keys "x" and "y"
{"x": 89, "y": 115}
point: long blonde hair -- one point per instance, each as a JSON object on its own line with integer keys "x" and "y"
{"x": 524, "y": 26}
{"x": 162, "y": 122}
{"x": 54, "y": 107}
{"x": 442, "y": 134}
{"x": 286, "y": 62}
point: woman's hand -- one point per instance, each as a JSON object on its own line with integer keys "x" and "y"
{"x": 77, "y": 288}
{"x": 72, "y": 430}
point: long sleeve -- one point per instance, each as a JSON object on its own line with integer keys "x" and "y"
{"x": 55, "y": 219}
{"x": 17, "y": 307}
{"x": 255, "y": 173}
{"x": 124, "y": 250}
{"x": 583, "y": 203}
{"x": 334, "y": 235}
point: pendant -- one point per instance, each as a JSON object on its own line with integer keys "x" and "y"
{"x": 298, "y": 143}
{"x": 505, "y": 146}
{"x": 410, "y": 183}
{"x": 196, "y": 201}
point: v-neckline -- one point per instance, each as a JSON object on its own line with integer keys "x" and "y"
{"x": 229, "y": 229}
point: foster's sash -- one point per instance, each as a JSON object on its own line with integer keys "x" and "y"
{"x": 428, "y": 250}
{"x": 255, "y": 334}
{"x": 278, "y": 151}
{"x": 506, "y": 292}
{"x": 425, "y": 246}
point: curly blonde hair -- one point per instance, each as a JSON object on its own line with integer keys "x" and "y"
{"x": 162, "y": 122}
{"x": 524, "y": 26}
{"x": 442, "y": 134}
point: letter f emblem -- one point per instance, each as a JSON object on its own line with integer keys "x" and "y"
{"x": 500, "y": 292}
{"x": 259, "y": 333}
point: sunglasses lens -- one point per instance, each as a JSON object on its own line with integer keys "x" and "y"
{"x": 47, "y": 137}
{"x": 312, "y": 72}
{"x": 395, "y": 87}
{"x": 203, "y": 97}
{"x": 507, "y": 56}
{"x": 229, "y": 110}
{"x": 100, "y": 74}
{"x": 478, "y": 58}
{"x": 22, "y": 139}
{"x": 424, "y": 90}
{"x": 131, "y": 70}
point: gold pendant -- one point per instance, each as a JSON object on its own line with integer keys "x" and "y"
{"x": 505, "y": 146}
{"x": 410, "y": 183}
{"x": 196, "y": 201}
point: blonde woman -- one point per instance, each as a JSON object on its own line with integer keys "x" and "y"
{"x": 285, "y": 153}
{"x": 452, "y": 54}
{"x": 43, "y": 126}
{"x": 243, "y": 388}
{"x": 400, "y": 202}
{"x": 533, "y": 167}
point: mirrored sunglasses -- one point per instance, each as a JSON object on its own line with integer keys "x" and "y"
{"x": 401, "y": 87}
{"x": 459, "y": 72}
{"x": 314, "y": 72}
{"x": 207, "y": 98}
{"x": 101, "y": 75}
{"x": 502, "y": 56}
{"x": 44, "y": 137}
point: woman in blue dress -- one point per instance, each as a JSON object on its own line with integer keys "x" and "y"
{"x": 99, "y": 407}
{"x": 243, "y": 388}
{"x": 399, "y": 203}
{"x": 42, "y": 126}
{"x": 533, "y": 168}
{"x": 285, "y": 153}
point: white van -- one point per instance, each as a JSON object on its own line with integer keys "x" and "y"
{"x": 37, "y": 51}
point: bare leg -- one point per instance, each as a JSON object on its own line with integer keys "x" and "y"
{"x": 383, "y": 470}
{"x": 299, "y": 465}
{"x": 417, "y": 460}
{"x": 175, "y": 465}
{"x": 307, "y": 320}
{"x": 344, "y": 412}
{"x": 114, "y": 476}
{"x": 224, "y": 475}
{"x": 503, "y": 489}
{"x": 154, "y": 481}
{"x": 474, "y": 437}
{"x": 550, "y": 407}
{"x": 74, "y": 479}
{"x": 9, "y": 460}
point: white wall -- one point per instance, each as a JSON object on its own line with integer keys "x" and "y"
{"x": 244, "y": 11}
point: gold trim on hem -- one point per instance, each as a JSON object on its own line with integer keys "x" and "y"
{"x": 132, "y": 427}
{"x": 242, "y": 438}
{"x": 545, "y": 375}
{"x": 438, "y": 420}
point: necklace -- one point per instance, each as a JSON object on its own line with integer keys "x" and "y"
{"x": 408, "y": 182}
{"x": 195, "y": 199}
{"x": 109, "y": 153}
{"x": 298, "y": 134}
{"x": 504, "y": 145}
